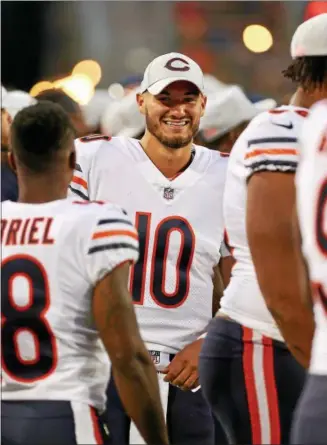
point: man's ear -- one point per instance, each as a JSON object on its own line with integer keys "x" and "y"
{"x": 72, "y": 160}
{"x": 203, "y": 104}
{"x": 141, "y": 102}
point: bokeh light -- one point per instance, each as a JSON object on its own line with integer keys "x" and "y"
{"x": 89, "y": 68}
{"x": 79, "y": 87}
{"x": 257, "y": 38}
{"x": 41, "y": 86}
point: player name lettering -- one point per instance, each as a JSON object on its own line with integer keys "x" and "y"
{"x": 26, "y": 231}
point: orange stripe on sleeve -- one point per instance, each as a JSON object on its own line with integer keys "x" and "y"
{"x": 271, "y": 151}
{"x": 79, "y": 181}
{"x": 109, "y": 233}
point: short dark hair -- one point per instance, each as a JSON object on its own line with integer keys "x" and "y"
{"x": 38, "y": 133}
{"x": 58, "y": 96}
{"x": 310, "y": 72}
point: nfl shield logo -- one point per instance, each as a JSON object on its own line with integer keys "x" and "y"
{"x": 155, "y": 355}
{"x": 168, "y": 193}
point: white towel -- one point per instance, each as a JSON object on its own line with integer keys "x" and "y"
{"x": 134, "y": 435}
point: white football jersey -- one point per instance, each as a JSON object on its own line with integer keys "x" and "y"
{"x": 269, "y": 143}
{"x": 53, "y": 255}
{"x": 311, "y": 185}
{"x": 180, "y": 227}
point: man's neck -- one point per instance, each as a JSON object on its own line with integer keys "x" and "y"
{"x": 305, "y": 99}
{"x": 4, "y": 158}
{"x": 170, "y": 161}
{"x": 40, "y": 190}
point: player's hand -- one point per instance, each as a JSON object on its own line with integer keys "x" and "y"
{"x": 182, "y": 371}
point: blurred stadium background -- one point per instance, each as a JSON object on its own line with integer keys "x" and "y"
{"x": 85, "y": 46}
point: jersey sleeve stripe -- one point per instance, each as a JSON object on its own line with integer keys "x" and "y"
{"x": 109, "y": 233}
{"x": 80, "y": 181}
{"x": 113, "y": 221}
{"x": 113, "y": 246}
{"x": 272, "y": 140}
{"x": 273, "y": 165}
{"x": 271, "y": 151}
{"x": 78, "y": 193}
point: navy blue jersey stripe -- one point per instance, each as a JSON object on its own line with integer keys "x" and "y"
{"x": 113, "y": 246}
{"x": 272, "y": 140}
{"x": 273, "y": 163}
{"x": 113, "y": 221}
{"x": 79, "y": 193}
{"x": 78, "y": 168}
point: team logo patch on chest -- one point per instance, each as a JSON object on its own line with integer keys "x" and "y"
{"x": 155, "y": 355}
{"x": 168, "y": 193}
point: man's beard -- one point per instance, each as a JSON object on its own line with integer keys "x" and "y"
{"x": 170, "y": 142}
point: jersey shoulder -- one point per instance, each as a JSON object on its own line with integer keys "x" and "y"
{"x": 101, "y": 236}
{"x": 213, "y": 163}
{"x": 211, "y": 158}
{"x": 313, "y": 136}
{"x": 97, "y": 155}
{"x": 271, "y": 140}
{"x": 91, "y": 211}
{"x": 93, "y": 151}
{"x": 96, "y": 145}
{"x": 91, "y": 145}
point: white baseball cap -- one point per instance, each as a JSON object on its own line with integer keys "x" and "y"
{"x": 310, "y": 38}
{"x": 213, "y": 85}
{"x": 16, "y": 100}
{"x": 123, "y": 118}
{"x": 227, "y": 109}
{"x": 170, "y": 68}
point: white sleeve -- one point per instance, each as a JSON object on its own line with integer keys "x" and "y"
{"x": 270, "y": 147}
{"x": 111, "y": 241}
{"x": 86, "y": 148}
{"x": 224, "y": 251}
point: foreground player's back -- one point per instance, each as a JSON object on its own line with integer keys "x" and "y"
{"x": 311, "y": 184}
{"x": 53, "y": 254}
{"x": 269, "y": 142}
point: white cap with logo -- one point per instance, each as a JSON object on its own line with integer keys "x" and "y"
{"x": 310, "y": 38}
{"x": 228, "y": 109}
{"x": 170, "y": 68}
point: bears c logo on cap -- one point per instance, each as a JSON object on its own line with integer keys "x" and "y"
{"x": 169, "y": 65}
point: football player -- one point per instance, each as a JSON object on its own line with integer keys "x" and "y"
{"x": 254, "y": 357}
{"x": 310, "y": 424}
{"x": 173, "y": 189}
{"x": 64, "y": 276}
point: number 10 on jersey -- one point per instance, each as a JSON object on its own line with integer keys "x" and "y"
{"x": 154, "y": 262}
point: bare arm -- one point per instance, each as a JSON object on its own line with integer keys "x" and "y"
{"x": 225, "y": 266}
{"x": 303, "y": 273}
{"x": 270, "y": 204}
{"x": 133, "y": 369}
